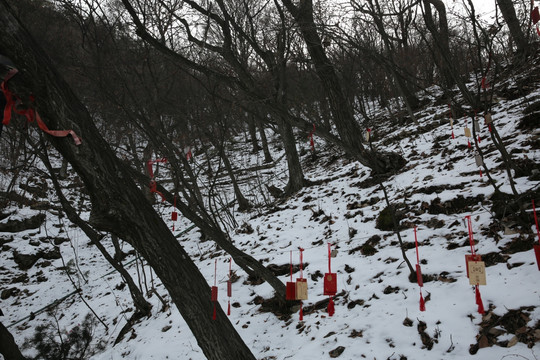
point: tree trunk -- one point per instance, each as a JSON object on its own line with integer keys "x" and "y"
{"x": 253, "y": 135}
{"x": 509, "y": 14}
{"x": 442, "y": 38}
{"x": 243, "y": 203}
{"x": 346, "y": 126}
{"x": 264, "y": 142}
{"x": 118, "y": 206}
{"x": 8, "y": 346}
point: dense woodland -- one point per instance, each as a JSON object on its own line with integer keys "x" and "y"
{"x": 142, "y": 80}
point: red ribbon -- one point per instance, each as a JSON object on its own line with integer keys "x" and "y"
{"x": 291, "y": 267}
{"x": 471, "y": 238}
{"x": 536, "y": 221}
{"x": 29, "y": 113}
{"x": 419, "y": 279}
{"x": 301, "y": 262}
{"x": 153, "y": 189}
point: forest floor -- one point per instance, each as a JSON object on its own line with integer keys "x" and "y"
{"x": 377, "y": 312}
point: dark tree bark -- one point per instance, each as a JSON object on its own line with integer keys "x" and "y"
{"x": 243, "y": 203}
{"x": 264, "y": 142}
{"x": 142, "y": 306}
{"x": 118, "y": 206}
{"x": 253, "y": 135}
{"x": 441, "y": 36}
{"x": 8, "y": 346}
{"x": 348, "y": 129}
{"x": 509, "y": 14}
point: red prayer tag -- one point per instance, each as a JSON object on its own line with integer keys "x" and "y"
{"x": 229, "y": 288}
{"x": 291, "y": 291}
{"x": 214, "y": 293}
{"x": 174, "y": 216}
{"x": 535, "y": 15}
{"x": 419, "y": 278}
{"x": 330, "y": 284}
{"x": 537, "y": 253}
{"x": 471, "y": 258}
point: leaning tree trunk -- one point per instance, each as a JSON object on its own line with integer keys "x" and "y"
{"x": 118, "y": 206}
{"x": 342, "y": 111}
{"x": 8, "y": 346}
{"x": 509, "y": 14}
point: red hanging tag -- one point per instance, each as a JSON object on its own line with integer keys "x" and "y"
{"x": 150, "y": 169}
{"x": 311, "y": 141}
{"x": 301, "y": 311}
{"x": 189, "y": 155}
{"x": 453, "y": 136}
{"x": 473, "y": 256}
{"x": 537, "y": 254}
{"x": 419, "y": 278}
{"x": 331, "y": 307}
{"x": 214, "y": 294}
{"x": 10, "y": 101}
{"x": 229, "y": 288}
{"x": 479, "y": 301}
{"x": 229, "y": 282}
{"x": 174, "y": 214}
{"x": 153, "y": 189}
{"x": 535, "y": 15}
{"x": 536, "y": 246}
{"x": 290, "y": 293}
{"x": 481, "y": 173}
{"x": 330, "y": 278}
{"x": 484, "y": 84}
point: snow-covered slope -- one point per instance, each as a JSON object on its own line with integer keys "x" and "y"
{"x": 377, "y": 313}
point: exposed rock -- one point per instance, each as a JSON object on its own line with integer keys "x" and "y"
{"x": 337, "y": 352}
{"x": 14, "y": 226}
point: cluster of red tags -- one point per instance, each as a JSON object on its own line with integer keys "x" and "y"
{"x": 13, "y": 103}
{"x": 214, "y": 290}
{"x": 488, "y": 120}
{"x": 298, "y": 290}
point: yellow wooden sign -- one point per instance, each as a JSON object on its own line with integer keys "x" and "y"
{"x": 477, "y": 273}
{"x": 301, "y": 289}
{"x": 468, "y": 132}
{"x": 488, "y": 118}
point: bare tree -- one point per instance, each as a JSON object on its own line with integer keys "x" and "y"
{"x": 114, "y": 195}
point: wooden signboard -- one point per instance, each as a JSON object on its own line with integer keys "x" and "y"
{"x": 477, "y": 273}
{"x": 301, "y": 289}
{"x": 469, "y": 258}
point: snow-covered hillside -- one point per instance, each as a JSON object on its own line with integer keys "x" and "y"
{"x": 377, "y": 314}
